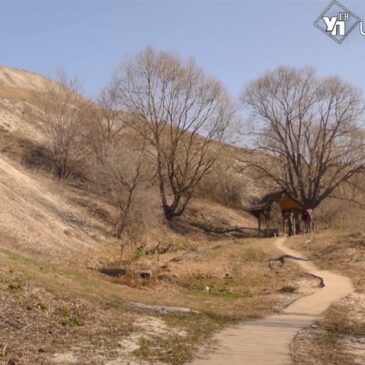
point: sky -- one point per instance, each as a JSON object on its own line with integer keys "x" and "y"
{"x": 234, "y": 40}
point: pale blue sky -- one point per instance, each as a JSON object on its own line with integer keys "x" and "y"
{"x": 235, "y": 40}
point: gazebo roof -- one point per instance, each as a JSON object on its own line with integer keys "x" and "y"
{"x": 282, "y": 197}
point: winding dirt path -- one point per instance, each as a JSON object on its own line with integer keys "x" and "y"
{"x": 266, "y": 341}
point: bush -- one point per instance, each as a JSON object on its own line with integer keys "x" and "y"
{"x": 223, "y": 185}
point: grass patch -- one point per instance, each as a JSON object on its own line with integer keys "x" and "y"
{"x": 138, "y": 254}
{"x": 338, "y": 323}
{"x": 335, "y": 250}
{"x": 323, "y": 343}
{"x": 217, "y": 287}
{"x": 91, "y": 310}
{"x": 68, "y": 318}
{"x": 178, "y": 349}
{"x": 15, "y": 285}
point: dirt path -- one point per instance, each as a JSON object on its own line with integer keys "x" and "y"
{"x": 266, "y": 341}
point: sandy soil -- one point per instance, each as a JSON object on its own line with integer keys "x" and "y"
{"x": 37, "y": 221}
{"x": 18, "y": 78}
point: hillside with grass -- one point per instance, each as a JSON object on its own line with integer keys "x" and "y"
{"x": 85, "y": 280}
{"x": 56, "y": 236}
{"x": 74, "y": 216}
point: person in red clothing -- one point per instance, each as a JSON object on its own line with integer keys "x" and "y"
{"x": 308, "y": 219}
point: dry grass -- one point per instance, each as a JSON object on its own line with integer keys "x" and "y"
{"x": 44, "y": 302}
{"x": 337, "y": 339}
{"x": 52, "y": 305}
{"x": 16, "y": 94}
{"x": 241, "y": 283}
{"x": 46, "y": 311}
{"x": 340, "y": 251}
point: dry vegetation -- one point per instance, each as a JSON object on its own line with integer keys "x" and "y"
{"x": 339, "y": 251}
{"x": 59, "y": 311}
{"x": 236, "y": 272}
{"x": 336, "y": 339}
{"x": 149, "y": 188}
{"x": 54, "y": 311}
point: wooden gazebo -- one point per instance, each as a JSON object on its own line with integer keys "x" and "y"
{"x": 289, "y": 207}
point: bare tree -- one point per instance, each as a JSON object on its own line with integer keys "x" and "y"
{"x": 65, "y": 113}
{"x": 309, "y": 130}
{"x": 105, "y": 125}
{"x": 183, "y": 113}
{"x": 117, "y": 167}
{"x": 121, "y": 174}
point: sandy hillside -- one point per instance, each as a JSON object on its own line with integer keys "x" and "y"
{"x": 38, "y": 218}
{"x": 18, "y": 101}
{"x": 21, "y": 79}
{"x": 32, "y": 217}
{"x": 38, "y": 221}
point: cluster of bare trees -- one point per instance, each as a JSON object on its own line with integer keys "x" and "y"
{"x": 65, "y": 113}
{"x": 163, "y": 122}
{"x": 175, "y": 115}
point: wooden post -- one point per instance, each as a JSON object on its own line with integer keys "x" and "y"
{"x": 268, "y": 219}
{"x": 267, "y": 222}
{"x": 298, "y": 221}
